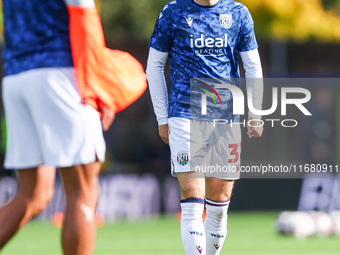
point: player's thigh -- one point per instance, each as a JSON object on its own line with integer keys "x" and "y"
{"x": 190, "y": 186}
{"x": 224, "y": 153}
{"x": 183, "y": 152}
{"x": 199, "y": 144}
{"x": 179, "y": 142}
{"x": 218, "y": 189}
{"x": 188, "y": 144}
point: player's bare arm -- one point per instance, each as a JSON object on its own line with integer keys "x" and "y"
{"x": 107, "y": 118}
{"x": 164, "y": 133}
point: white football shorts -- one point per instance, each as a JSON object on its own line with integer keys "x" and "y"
{"x": 202, "y": 148}
{"x": 47, "y": 122}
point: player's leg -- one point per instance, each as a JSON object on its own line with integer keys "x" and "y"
{"x": 218, "y": 193}
{"x": 23, "y": 152}
{"x": 71, "y": 139}
{"x": 82, "y": 190}
{"x": 192, "y": 206}
{"x": 35, "y": 191}
{"x": 224, "y": 153}
{"x": 192, "y": 188}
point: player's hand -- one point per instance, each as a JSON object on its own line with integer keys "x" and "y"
{"x": 107, "y": 118}
{"x": 254, "y": 131}
{"x": 164, "y": 133}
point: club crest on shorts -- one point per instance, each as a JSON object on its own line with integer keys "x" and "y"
{"x": 183, "y": 158}
{"x": 226, "y": 20}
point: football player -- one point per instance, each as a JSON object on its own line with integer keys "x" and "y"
{"x": 48, "y": 125}
{"x": 202, "y": 38}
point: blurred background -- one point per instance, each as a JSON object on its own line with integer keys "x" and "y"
{"x": 297, "y": 39}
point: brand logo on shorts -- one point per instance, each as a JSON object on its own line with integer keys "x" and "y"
{"x": 183, "y": 158}
{"x": 226, "y": 20}
{"x": 199, "y": 248}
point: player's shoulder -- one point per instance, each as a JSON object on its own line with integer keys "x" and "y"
{"x": 177, "y": 5}
{"x": 237, "y": 6}
{"x": 239, "y": 9}
{"x": 174, "y": 7}
{"x": 168, "y": 9}
{"x": 171, "y": 6}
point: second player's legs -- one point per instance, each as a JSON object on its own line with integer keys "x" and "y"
{"x": 35, "y": 191}
{"x": 218, "y": 193}
{"x": 82, "y": 191}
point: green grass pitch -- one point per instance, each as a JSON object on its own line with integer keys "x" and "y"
{"x": 248, "y": 233}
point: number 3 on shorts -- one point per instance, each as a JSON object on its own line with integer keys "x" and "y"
{"x": 235, "y": 152}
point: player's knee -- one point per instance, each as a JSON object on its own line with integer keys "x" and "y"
{"x": 220, "y": 197}
{"x": 88, "y": 192}
{"x": 93, "y": 189}
{"x": 188, "y": 192}
{"x": 227, "y": 194}
{"x": 43, "y": 200}
{"x": 39, "y": 201}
